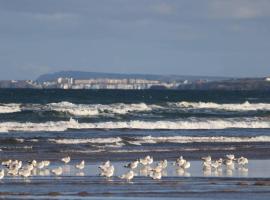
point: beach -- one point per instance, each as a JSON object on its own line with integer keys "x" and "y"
{"x": 122, "y": 126}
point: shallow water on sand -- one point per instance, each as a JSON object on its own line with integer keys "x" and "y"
{"x": 192, "y": 183}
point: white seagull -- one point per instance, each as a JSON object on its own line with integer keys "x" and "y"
{"x": 66, "y": 159}
{"x": 132, "y": 165}
{"x": 128, "y": 176}
{"x": 57, "y": 171}
{"x": 80, "y": 165}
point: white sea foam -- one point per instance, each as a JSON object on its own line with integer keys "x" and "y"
{"x": 246, "y": 106}
{"x": 122, "y": 108}
{"x": 96, "y": 109}
{"x": 109, "y": 140}
{"x": 10, "y": 108}
{"x": 191, "y": 123}
{"x": 118, "y": 142}
{"x": 182, "y": 124}
{"x": 192, "y": 139}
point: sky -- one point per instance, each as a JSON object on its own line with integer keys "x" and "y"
{"x": 184, "y": 37}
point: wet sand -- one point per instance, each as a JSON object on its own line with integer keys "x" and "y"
{"x": 194, "y": 183}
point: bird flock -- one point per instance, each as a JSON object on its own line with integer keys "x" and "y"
{"x": 145, "y": 165}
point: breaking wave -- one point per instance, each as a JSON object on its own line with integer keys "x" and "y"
{"x": 10, "y": 108}
{"x": 190, "y": 123}
{"x": 96, "y": 109}
{"x": 246, "y": 106}
{"x": 190, "y": 139}
{"x": 109, "y": 140}
{"x": 85, "y": 110}
{"x": 169, "y": 139}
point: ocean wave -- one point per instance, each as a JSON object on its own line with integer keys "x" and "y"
{"x": 10, "y": 108}
{"x": 246, "y": 106}
{"x": 117, "y": 141}
{"x": 190, "y": 123}
{"x": 96, "y": 109}
{"x": 109, "y": 140}
{"x": 89, "y": 110}
{"x": 204, "y": 139}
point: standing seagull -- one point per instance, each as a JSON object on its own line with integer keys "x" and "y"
{"x": 163, "y": 163}
{"x": 105, "y": 165}
{"x": 80, "y": 165}
{"x": 66, "y": 160}
{"x": 128, "y": 176}
{"x": 156, "y": 175}
{"x": 108, "y": 172}
{"x": 180, "y": 161}
{"x": 58, "y": 171}
{"x": 133, "y": 164}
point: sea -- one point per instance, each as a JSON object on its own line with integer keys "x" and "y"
{"x": 124, "y": 125}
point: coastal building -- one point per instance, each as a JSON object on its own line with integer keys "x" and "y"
{"x": 104, "y": 83}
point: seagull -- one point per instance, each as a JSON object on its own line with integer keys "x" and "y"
{"x": 34, "y": 163}
{"x": 220, "y": 161}
{"x": 132, "y": 165}
{"x": 180, "y": 161}
{"x": 107, "y": 169}
{"x": 15, "y": 165}
{"x": 6, "y": 163}
{"x": 105, "y": 165}
{"x": 144, "y": 161}
{"x": 207, "y": 164}
{"x": 207, "y": 158}
{"x": 128, "y": 176}
{"x": 66, "y": 159}
{"x": 2, "y": 174}
{"x": 46, "y": 163}
{"x": 149, "y": 159}
{"x": 25, "y": 173}
{"x": 13, "y": 172}
{"x": 228, "y": 162}
{"x": 215, "y": 164}
{"x": 156, "y": 175}
{"x": 108, "y": 173}
{"x": 57, "y": 171}
{"x": 230, "y": 156}
{"x": 40, "y": 165}
{"x": 157, "y": 169}
{"x": 242, "y": 161}
{"x": 163, "y": 163}
{"x": 80, "y": 165}
{"x": 186, "y": 165}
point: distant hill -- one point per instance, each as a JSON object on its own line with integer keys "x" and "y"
{"x": 88, "y": 75}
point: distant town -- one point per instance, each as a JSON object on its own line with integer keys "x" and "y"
{"x": 81, "y": 80}
{"x": 98, "y": 83}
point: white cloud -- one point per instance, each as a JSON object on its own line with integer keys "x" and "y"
{"x": 239, "y": 9}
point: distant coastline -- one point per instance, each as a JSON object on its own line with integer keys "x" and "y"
{"x": 97, "y": 80}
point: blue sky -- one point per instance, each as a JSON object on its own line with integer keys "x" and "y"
{"x": 185, "y": 37}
